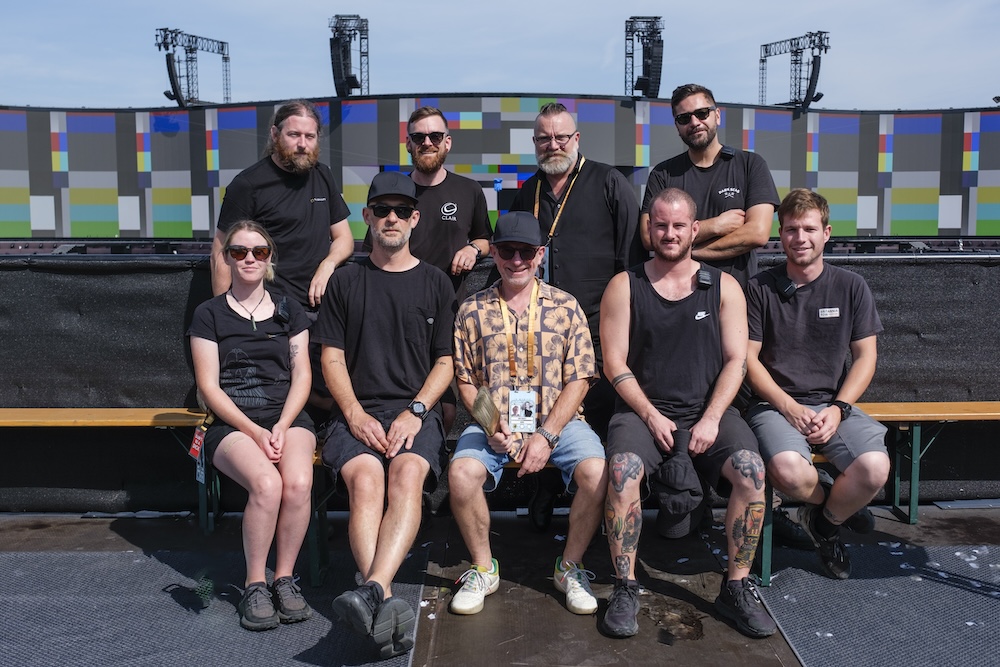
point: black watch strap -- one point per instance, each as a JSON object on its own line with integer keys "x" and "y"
{"x": 845, "y": 409}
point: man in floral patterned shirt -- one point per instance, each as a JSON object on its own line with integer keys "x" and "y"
{"x": 528, "y": 345}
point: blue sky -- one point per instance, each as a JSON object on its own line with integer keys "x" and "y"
{"x": 888, "y": 54}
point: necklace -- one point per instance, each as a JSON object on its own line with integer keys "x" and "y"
{"x": 249, "y": 312}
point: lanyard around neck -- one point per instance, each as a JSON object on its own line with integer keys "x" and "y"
{"x": 562, "y": 201}
{"x": 511, "y": 352}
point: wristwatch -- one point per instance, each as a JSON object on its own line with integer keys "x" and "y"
{"x": 418, "y": 409}
{"x": 553, "y": 439}
{"x": 479, "y": 252}
{"x": 845, "y": 409}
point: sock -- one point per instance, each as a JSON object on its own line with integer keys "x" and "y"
{"x": 824, "y": 527}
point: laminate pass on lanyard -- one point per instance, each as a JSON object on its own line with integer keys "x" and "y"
{"x": 522, "y": 409}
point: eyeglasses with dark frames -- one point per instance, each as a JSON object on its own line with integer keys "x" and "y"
{"x": 526, "y": 253}
{"x": 435, "y": 137}
{"x": 700, "y": 114}
{"x": 239, "y": 252}
{"x": 560, "y": 139}
{"x": 402, "y": 212}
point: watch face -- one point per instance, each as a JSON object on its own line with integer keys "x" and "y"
{"x": 418, "y": 408}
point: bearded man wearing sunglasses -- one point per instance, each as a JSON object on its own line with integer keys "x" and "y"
{"x": 386, "y": 330}
{"x": 734, "y": 190}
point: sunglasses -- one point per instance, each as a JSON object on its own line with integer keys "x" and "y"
{"x": 700, "y": 114}
{"x": 526, "y": 253}
{"x": 402, "y": 212}
{"x": 435, "y": 137}
{"x": 239, "y": 252}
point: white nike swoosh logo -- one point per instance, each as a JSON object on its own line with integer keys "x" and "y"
{"x": 701, "y": 315}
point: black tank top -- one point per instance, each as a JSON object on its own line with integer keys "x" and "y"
{"x": 675, "y": 347}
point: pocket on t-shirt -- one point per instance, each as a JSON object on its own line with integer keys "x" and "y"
{"x": 418, "y": 325}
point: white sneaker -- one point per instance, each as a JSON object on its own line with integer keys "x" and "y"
{"x": 478, "y": 584}
{"x": 574, "y": 581}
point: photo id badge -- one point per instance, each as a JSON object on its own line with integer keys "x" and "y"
{"x": 521, "y": 411}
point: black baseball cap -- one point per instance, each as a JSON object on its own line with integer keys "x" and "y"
{"x": 518, "y": 227}
{"x": 392, "y": 183}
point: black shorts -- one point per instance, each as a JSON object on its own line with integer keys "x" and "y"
{"x": 266, "y": 418}
{"x": 340, "y": 445}
{"x": 628, "y": 433}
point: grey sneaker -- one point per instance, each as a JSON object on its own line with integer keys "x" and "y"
{"x": 256, "y": 609}
{"x": 622, "y": 617}
{"x": 738, "y": 601}
{"x": 290, "y": 604}
{"x": 832, "y": 554}
{"x": 392, "y": 629}
{"x": 357, "y": 608}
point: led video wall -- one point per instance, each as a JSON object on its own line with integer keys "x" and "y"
{"x": 162, "y": 173}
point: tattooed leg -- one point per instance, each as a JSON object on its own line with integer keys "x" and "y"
{"x": 623, "y": 512}
{"x": 745, "y": 511}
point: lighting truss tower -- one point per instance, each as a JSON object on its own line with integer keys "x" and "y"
{"x": 345, "y": 27}
{"x": 648, "y": 31}
{"x": 184, "y": 86}
{"x": 802, "y": 88}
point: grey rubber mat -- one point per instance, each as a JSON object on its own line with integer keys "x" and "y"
{"x": 131, "y": 608}
{"x": 903, "y": 605}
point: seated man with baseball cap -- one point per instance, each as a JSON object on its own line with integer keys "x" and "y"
{"x": 385, "y": 326}
{"x": 526, "y": 346}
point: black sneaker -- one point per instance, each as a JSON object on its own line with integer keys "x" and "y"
{"x": 393, "y": 627}
{"x": 738, "y": 601}
{"x": 256, "y": 609}
{"x": 357, "y": 607}
{"x": 621, "y": 618}
{"x": 832, "y": 553}
{"x": 290, "y": 604}
{"x": 862, "y": 521}
{"x": 787, "y": 532}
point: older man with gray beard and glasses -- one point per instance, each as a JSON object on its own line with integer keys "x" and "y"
{"x": 588, "y": 214}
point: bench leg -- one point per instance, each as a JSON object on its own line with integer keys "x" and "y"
{"x": 766, "y": 537}
{"x": 908, "y": 434}
{"x": 317, "y": 539}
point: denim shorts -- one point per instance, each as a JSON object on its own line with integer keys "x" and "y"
{"x": 577, "y": 442}
{"x": 855, "y": 436}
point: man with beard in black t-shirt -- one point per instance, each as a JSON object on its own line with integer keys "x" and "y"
{"x": 297, "y": 200}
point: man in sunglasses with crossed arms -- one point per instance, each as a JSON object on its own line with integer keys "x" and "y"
{"x": 733, "y": 189}
{"x": 386, "y": 330}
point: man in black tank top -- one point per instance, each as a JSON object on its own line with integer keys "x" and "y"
{"x": 675, "y": 335}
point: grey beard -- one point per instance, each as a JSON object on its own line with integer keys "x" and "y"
{"x": 556, "y": 166}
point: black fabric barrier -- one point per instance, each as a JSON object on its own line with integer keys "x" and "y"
{"x": 87, "y": 332}
{"x": 942, "y": 325}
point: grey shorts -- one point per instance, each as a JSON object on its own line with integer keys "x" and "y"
{"x": 857, "y": 435}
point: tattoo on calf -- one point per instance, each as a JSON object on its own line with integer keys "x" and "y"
{"x": 623, "y": 467}
{"x": 625, "y": 529}
{"x": 622, "y": 565}
{"x": 831, "y": 517}
{"x": 750, "y": 465}
{"x": 746, "y": 533}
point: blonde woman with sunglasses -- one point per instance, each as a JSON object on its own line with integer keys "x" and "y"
{"x": 251, "y": 362}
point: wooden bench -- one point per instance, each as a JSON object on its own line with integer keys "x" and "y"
{"x": 906, "y": 441}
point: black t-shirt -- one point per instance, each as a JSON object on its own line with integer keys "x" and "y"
{"x": 805, "y": 342}
{"x": 392, "y": 327}
{"x": 452, "y": 213}
{"x": 297, "y": 210}
{"x": 597, "y": 235}
{"x": 254, "y": 366}
{"x": 675, "y": 347}
{"x": 737, "y": 180}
